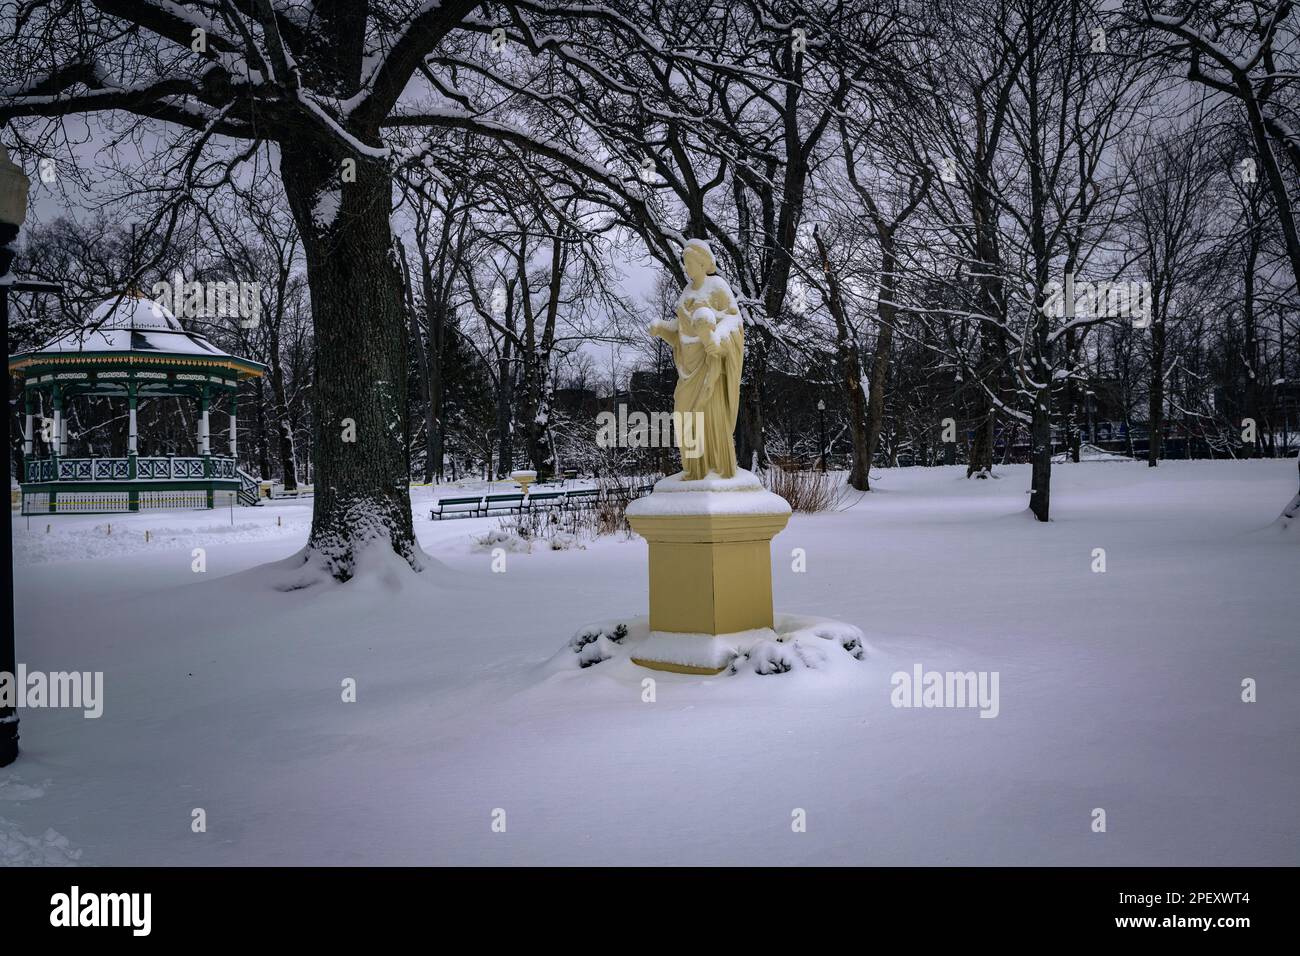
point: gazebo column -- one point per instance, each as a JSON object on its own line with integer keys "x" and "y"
{"x": 203, "y": 423}
{"x": 27, "y": 439}
{"x": 132, "y": 435}
{"x": 56, "y": 445}
{"x": 27, "y": 426}
{"x": 132, "y": 448}
{"x": 56, "y": 435}
{"x": 204, "y": 448}
{"x": 234, "y": 426}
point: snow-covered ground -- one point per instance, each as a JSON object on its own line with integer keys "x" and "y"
{"x": 1118, "y": 690}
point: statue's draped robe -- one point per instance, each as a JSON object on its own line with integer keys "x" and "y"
{"x": 708, "y": 359}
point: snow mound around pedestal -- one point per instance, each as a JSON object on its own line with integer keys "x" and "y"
{"x": 796, "y": 643}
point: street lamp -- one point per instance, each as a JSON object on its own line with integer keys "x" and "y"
{"x": 13, "y": 210}
{"x": 821, "y": 425}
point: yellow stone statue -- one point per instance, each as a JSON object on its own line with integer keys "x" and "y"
{"x": 708, "y": 342}
{"x": 709, "y": 529}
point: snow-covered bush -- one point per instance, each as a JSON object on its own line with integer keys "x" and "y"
{"x": 558, "y": 530}
{"x": 770, "y": 657}
{"x": 504, "y": 537}
{"x": 597, "y": 643}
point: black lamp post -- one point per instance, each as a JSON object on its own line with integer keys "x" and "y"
{"x": 13, "y": 210}
{"x": 821, "y": 425}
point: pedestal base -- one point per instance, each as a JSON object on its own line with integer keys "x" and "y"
{"x": 680, "y": 668}
{"x": 710, "y": 567}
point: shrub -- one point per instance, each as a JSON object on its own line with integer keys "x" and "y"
{"x": 803, "y": 490}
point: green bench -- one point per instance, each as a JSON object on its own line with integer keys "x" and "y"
{"x": 508, "y": 503}
{"x": 481, "y": 505}
{"x": 443, "y": 504}
{"x": 542, "y": 500}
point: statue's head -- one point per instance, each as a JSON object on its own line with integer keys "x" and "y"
{"x": 698, "y": 259}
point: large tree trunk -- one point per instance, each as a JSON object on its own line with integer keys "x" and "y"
{"x": 981, "y": 449}
{"x": 361, "y": 471}
{"x": 537, "y": 365}
{"x": 536, "y": 413}
{"x": 1040, "y": 498}
{"x": 531, "y": 411}
{"x": 860, "y": 473}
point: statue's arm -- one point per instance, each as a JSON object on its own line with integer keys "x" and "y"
{"x": 665, "y": 329}
{"x": 712, "y": 346}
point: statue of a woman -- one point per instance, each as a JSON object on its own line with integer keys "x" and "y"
{"x": 708, "y": 343}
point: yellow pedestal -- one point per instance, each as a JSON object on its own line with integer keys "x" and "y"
{"x": 709, "y": 574}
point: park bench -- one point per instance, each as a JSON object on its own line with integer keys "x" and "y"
{"x": 545, "y": 500}
{"x": 507, "y": 503}
{"x": 577, "y": 497}
{"x": 622, "y": 493}
{"x": 455, "y": 507}
{"x": 277, "y": 493}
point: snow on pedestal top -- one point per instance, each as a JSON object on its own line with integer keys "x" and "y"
{"x": 742, "y": 494}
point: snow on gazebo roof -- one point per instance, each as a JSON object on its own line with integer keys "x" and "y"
{"x": 129, "y": 328}
{"x": 133, "y": 312}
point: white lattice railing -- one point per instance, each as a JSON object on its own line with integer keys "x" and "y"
{"x": 114, "y": 502}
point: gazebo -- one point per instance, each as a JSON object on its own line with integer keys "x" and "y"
{"x": 134, "y": 348}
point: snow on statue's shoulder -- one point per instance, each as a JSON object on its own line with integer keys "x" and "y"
{"x": 706, "y": 289}
{"x": 740, "y": 494}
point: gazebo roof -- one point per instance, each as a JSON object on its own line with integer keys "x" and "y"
{"x": 132, "y": 330}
